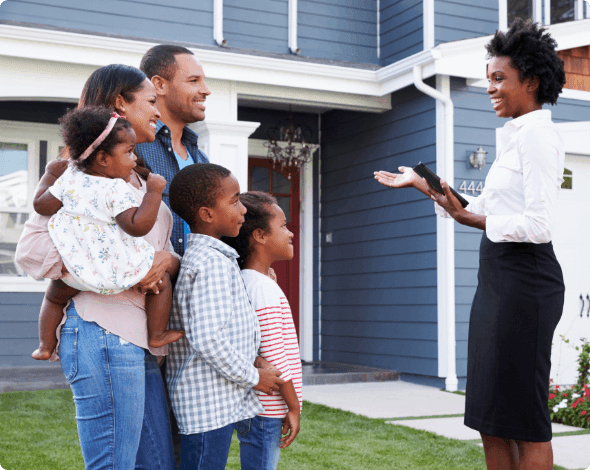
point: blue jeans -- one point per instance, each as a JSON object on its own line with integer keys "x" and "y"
{"x": 120, "y": 407}
{"x": 259, "y": 446}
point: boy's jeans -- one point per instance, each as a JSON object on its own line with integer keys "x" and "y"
{"x": 259, "y": 446}
{"x": 119, "y": 395}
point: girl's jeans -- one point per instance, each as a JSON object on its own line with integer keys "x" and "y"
{"x": 259, "y": 445}
{"x": 121, "y": 408}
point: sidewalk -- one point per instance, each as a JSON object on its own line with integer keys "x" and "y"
{"x": 430, "y": 409}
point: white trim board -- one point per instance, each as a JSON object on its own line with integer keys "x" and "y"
{"x": 464, "y": 58}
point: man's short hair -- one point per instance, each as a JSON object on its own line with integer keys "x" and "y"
{"x": 161, "y": 60}
{"x": 196, "y": 186}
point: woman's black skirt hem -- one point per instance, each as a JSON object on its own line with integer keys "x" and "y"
{"x": 517, "y": 305}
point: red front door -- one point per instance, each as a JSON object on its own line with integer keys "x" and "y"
{"x": 284, "y": 186}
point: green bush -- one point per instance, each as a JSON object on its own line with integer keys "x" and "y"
{"x": 571, "y": 405}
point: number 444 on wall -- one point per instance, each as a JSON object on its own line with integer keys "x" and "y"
{"x": 465, "y": 188}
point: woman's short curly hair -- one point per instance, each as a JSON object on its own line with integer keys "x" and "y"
{"x": 258, "y": 216}
{"x": 532, "y": 52}
{"x": 81, "y": 126}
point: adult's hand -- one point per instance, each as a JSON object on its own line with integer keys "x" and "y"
{"x": 149, "y": 283}
{"x": 447, "y": 201}
{"x": 406, "y": 179}
{"x": 261, "y": 363}
{"x": 268, "y": 381}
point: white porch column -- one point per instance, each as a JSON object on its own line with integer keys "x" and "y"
{"x": 226, "y": 143}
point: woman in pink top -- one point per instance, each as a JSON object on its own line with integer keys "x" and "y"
{"x": 103, "y": 342}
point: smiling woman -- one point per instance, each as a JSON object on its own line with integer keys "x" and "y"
{"x": 520, "y": 292}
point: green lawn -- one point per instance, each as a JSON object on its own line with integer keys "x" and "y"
{"x": 38, "y": 432}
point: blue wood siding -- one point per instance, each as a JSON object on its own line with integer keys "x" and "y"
{"x": 19, "y": 313}
{"x": 475, "y": 125}
{"x": 174, "y": 20}
{"x": 379, "y": 302}
{"x": 259, "y": 24}
{"x": 401, "y": 29}
{"x": 338, "y": 29}
{"x": 464, "y": 19}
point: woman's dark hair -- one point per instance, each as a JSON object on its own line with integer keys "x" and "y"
{"x": 81, "y": 126}
{"x": 257, "y": 217}
{"x": 532, "y": 52}
{"x": 103, "y": 87}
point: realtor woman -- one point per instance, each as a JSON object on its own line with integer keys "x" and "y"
{"x": 519, "y": 297}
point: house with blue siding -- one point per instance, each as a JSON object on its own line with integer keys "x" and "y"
{"x": 378, "y": 279}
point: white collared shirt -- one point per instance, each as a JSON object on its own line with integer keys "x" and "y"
{"x": 520, "y": 194}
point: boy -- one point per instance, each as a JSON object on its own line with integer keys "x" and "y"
{"x": 210, "y": 373}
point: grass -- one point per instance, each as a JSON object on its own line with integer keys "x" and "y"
{"x": 38, "y": 432}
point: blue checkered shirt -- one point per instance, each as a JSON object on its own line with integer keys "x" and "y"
{"x": 210, "y": 372}
{"x": 159, "y": 158}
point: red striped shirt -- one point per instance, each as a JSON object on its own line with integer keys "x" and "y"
{"x": 278, "y": 339}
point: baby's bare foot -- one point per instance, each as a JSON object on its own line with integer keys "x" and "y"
{"x": 41, "y": 354}
{"x": 157, "y": 340}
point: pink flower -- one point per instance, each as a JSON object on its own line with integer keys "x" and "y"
{"x": 551, "y": 396}
{"x": 583, "y": 412}
{"x": 574, "y": 405}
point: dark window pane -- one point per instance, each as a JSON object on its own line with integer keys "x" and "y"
{"x": 280, "y": 184}
{"x": 519, "y": 9}
{"x": 285, "y": 204}
{"x": 260, "y": 179}
{"x": 567, "y": 179}
{"x": 562, "y": 11}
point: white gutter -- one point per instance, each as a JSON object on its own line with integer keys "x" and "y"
{"x": 293, "y": 27}
{"x": 218, "y": 22}
{"x": 448, "y": 232}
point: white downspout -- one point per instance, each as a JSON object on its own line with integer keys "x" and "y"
{"x": 451, "y": 382}
{"x": 293, "y": 27}
{"x": 218, "y": 22}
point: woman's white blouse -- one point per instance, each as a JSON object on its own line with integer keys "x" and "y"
{"x": 520, "y": 193}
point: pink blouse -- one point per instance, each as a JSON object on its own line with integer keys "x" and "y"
{"x": 121, "y": 314}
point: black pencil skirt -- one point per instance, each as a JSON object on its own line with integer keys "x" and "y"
{"x": 517, "y": 305}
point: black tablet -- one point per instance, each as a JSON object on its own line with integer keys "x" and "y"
{"x": 434, "y": 180}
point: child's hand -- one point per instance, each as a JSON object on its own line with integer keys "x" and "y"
{"x": 156, "y": 183}
{"x": 56, "y": 168}
{"x": 290, "y": 422}
{"x": 268, "y": 381}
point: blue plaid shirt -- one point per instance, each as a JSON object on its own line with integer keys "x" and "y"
{"x": 159, "y": 157}
{"x": 210, "y": 372}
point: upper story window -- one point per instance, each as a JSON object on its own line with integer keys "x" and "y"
{"x": 544, "y": 11}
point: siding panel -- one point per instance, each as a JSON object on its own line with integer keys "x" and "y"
{"x": 174, "y": 21}
{"x": 464, "y": 19}
{"x": 401, "y": 29}
{"x": 338, "y": 30}
{"x": 379, "y": 301}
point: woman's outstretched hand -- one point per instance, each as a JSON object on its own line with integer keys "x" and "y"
{"x": 407, "y": 178}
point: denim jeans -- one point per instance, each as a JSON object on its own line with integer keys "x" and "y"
{"x": 259, "y": 446}
{"x": 114, "y": 382}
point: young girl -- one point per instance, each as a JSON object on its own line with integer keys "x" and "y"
{"x": 264, "y": 239}
{"x": 97, "y": 223}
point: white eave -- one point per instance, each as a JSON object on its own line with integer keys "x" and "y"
{"x": 460, "y": 59}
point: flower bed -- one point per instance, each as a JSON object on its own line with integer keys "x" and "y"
{"x": 571, "y": 405}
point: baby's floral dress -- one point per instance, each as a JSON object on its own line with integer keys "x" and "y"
{"x": 94, "y": 249}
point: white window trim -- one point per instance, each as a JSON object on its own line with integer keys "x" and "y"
{"x": 29, "y": 134}
{"x": 541, "y": 10}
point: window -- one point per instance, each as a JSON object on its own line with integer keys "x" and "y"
{"x": 543, "y": 11}
{"x": 24, "y": 150}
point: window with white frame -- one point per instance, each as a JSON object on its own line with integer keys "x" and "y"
{"x": 542, "y": 11}
{"x": 25, "y": 148}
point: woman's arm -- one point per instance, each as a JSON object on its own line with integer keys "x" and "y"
{"x": 454, "y": 208}
{"x": 163, "y": 263}
{"x": 44, "y": 202}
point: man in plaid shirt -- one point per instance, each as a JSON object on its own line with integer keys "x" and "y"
{"x": 180, "y": 86}
{"x": 210, "y": 373}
